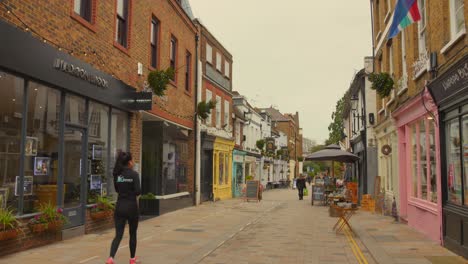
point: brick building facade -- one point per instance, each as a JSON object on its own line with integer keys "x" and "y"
{"x": 410, "y": 121}
{"x": 83, "y": 61}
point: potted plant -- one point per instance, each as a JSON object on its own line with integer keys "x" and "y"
{"x": 149, "y": 205}
{"x": 9, "y": 225}
{"x": 49, "y": 219}
{"x": 102, "y": 209}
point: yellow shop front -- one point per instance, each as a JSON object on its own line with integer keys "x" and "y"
{"x": 222, "y": 168}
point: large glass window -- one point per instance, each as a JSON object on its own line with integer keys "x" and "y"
{"x": 175, "y": 160}
{"x": 433, "y": 165}
{"x": 453, "y": 162}
{"x": 119, "y": 141}
{"x": 221, "y": 168}
{"x": 11, "y": 109}
{"x": 465, "y": 155}
{"x": 41, "y": 159}
{"x": 414, "y": 160}
{"x": 75, "y": 110}
{"x": 98, "y": 145}
{"x": 423, "y": 159}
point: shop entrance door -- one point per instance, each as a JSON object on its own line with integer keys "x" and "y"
{"x": 74, "y": 176}
{"x": 207, "y": 176}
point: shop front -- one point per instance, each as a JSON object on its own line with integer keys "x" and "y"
{"x": 62, "y": 124}
{"x": 222, "y": 167}
{"x": 419, "y": 170}
{"x": 165, "y": 164}
{"x": 450, "y": 92}
{"x": 360, "y": 165}
{"x": 207, "y": 167}
{"x": 251, "y": 165}
{"x": 388, "y": 169}
{"x": 238, "y": 176}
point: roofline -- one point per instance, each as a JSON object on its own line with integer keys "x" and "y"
{"x": 205, "y": 29}
{"x": 180, "y": 11}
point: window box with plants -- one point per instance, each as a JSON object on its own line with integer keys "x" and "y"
{"x": 103, "y": 208}
{"x": 149, "y": 205}
{"x": 9, "y": 225}
{"x": 49, "y": 219}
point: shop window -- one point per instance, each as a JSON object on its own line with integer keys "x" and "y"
{"x": 465, "y": 156}
{"x": 84, "y": 9}
{"x": 75, "y": 110}
{"x": 453, "y": 162}
{"x": 175, "y": 160}
{"x": 11, "y": 109}
{"x": 457, "y": 17}
{"x": 226, "y": 168}
{"x": 424, "y": 166}
{"x": 154, "y": 42}
{"x": 98, "y": 145}
{"x": 42, "y": 141}
{"x": 122, "y": 22}
{"x": 119, "y": 141}
{"x": 221, "y": 168}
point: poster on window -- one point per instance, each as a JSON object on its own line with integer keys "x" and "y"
{"x": 41, "y": 166}
{"x": 104, "y": 189}
{"x": 97, "y": 152}
{"x": 30, "y": 146}
{"x": 95, "y": 182}
{"x": 27, "y": 185}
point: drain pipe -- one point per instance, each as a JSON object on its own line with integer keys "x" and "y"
{"x": 196, "y": 170}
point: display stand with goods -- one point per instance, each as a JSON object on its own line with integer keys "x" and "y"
{"x": 9, "y": 225}
{"x": 102, "y": 209}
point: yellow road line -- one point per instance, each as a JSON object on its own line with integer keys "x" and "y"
{"x": 359, "y": 256}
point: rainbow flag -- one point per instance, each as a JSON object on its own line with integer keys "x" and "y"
{"x": 406, "y": 13}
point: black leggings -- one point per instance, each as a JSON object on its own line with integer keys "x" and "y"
{"x": 301, "y": 192}
{"x": 119, "y": 231}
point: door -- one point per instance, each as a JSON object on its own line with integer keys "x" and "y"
{"x": 207, "y": 176}
{"x": 74, "y": 176}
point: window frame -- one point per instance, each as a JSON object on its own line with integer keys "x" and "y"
{"x": 227, "y": 69}
{"x": 188, "y": 70}
{"x": 218, "y": 111}
{"x": 89, "y": 24}
{"x": 422, "y": 43}
{"x": 453, "y": 19}
{"x": 209, "y": 119}
{"x": 127, "y": 19}
{"x": 173, "y": 46}
{"x": 226, "y": 113}
{"x": 210, "y": 59}
{"x": 219, "y": 61}
{"x": 155, "y": 36}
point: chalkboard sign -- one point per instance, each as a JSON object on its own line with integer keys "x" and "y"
{"x": 251, "y": 192}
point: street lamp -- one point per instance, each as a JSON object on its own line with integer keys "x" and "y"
{"x": 359, "y": 115}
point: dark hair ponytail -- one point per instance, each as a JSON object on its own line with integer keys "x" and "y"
{"x": 122, "y": 161}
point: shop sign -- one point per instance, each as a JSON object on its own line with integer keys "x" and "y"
{"x": 238, "y": 159}
{"x": 139, "y": 101}
{"x": 270, "y": 145}
{"x": 81, "y": 73}
{"x": 451, "y": 82}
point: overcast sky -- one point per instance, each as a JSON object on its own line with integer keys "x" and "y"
{"x": 297, "y": 55}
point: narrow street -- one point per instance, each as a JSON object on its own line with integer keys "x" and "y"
{"x": 279, "y": 229}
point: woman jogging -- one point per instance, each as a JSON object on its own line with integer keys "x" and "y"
{"x": 127, "y": 185}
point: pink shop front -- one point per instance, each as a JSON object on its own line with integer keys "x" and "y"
{"x": 419, "y": 171}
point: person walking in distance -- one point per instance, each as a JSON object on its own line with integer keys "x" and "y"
{"x": 301, "y": 185}
{"x": 127, "y": 185}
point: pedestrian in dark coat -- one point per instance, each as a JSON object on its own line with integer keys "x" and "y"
{"x": 301, "y": 185}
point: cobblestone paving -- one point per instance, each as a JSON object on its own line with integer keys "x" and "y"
{"x": 279, "y": 229}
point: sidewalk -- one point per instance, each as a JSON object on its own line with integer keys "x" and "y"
{"x": 278, "y": 230}
{"x": 392, "y": 242}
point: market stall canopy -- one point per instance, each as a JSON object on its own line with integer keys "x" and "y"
{"x": 332, "y": 153}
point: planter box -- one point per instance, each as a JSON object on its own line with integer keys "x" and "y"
{"x": 8, "y": 234}
{"x": 149, "y": 206}
{"x": 101, "y": 214}
{"x": 38, "y": 228}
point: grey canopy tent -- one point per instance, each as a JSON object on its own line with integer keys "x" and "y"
{"x": 332, "y": 153}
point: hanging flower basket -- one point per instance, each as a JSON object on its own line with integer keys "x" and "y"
{"x": 8, "y": 234}
{"x": 382, "y": 83}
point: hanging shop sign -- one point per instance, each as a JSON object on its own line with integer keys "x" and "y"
{"x": 139, "y": 101}
{"x": 453, "y": 82}
{"x": 270, "y": 145}
{"x": 80, "y": 72}
{"x": 386, "y": 149}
